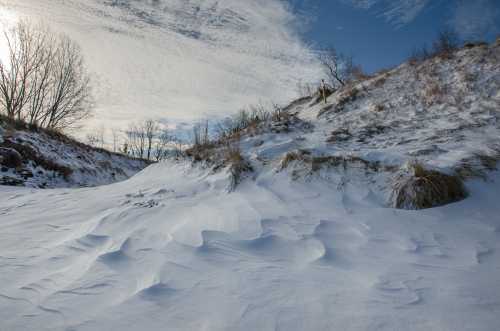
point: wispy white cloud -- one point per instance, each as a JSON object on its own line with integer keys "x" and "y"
{"x": 398, "y": 12}
{"x": 181, "y": 59}
{"x": 475, "y": 19}
{"x": 403, "y": 11}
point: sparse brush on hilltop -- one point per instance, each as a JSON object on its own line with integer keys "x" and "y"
{"x": 370, "y": 127}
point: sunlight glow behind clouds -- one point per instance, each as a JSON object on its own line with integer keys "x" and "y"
{"x": 181, "y": 59}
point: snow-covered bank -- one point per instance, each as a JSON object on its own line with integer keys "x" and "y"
{"x": 45, "y": 159}
{"x": 171, "y": 249}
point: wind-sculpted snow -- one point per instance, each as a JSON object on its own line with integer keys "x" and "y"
{"x": 170, "y": 248}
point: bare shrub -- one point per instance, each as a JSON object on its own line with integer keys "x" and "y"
{"x": 418, "y": 188}
{"x": 251, "y": 121}
{"x": 420, "y": 54}
{"x": 446, "y": 43}
{"x": 202, "y": 148}
{"x": 339, "y": 68}
{"x": 96, "y": 138}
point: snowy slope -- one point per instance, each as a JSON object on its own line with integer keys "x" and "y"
{"x": 49, "y": 160}
{"x": 292, "y": 247}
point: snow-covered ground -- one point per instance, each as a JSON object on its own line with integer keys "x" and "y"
{"x": 293, "y": 247}
{"x": 171, "y": 249}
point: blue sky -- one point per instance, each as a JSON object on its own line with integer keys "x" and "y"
{"x": 382, "y": 33}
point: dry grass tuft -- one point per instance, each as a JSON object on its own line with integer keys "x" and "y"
{"x": 238, "y": 165}
{"x": 479, "y": 164}
{"x": 419, "y": 188}
{"x": 316, "y": 163}
{"x": 290, "y": 157}
{"x": 378, "y": 108}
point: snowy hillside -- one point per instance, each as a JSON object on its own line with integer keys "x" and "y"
{"x": 47, "y": 160}
{"x": 308, "y": 240}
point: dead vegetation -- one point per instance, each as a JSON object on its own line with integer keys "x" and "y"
{"x": 418, "y": 188}
{"x": 433, "y": 94}
{"x": 238, "y": 165}
{"x": 316, "y": 163}
{"x": 12, "y": 125}
{"x": 346, "y": 95}
{"x": 479, "y": 164}
{"x": 339, "y": 135}
{"x": 221, "y": 149}
{"x": 378, "y": 108}
{"x": 28, "y": 154}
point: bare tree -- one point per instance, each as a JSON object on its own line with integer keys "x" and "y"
{"x": 44, "y": 80}
{"x": 24, "y": 45}
{"x": 136, "y": 140}
{"x": 200, "y": 134}
{"x": 41, "y": 83}
{"x": 151, "y": 129}
{"x": 70, "y": 99}
{"x": 339, "y": 68}
{"x": 162, "y": 144}
{"x": 114, "y": 136}
{"x": 333, "y": 65}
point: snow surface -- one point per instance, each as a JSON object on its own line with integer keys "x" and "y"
{"x": 172, "y": 249}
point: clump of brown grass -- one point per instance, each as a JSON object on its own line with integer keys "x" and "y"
{"x": 418, "y": 188}
{"x": 433, "y": 94}
{"x": 378, "y": 108}
{"x": 316, "y": 163}
{"x": 238, "y": 165}
{"x": 479, "y": 164}
{"x": 290, "y": 157}
{"x": 339, "y": 135}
